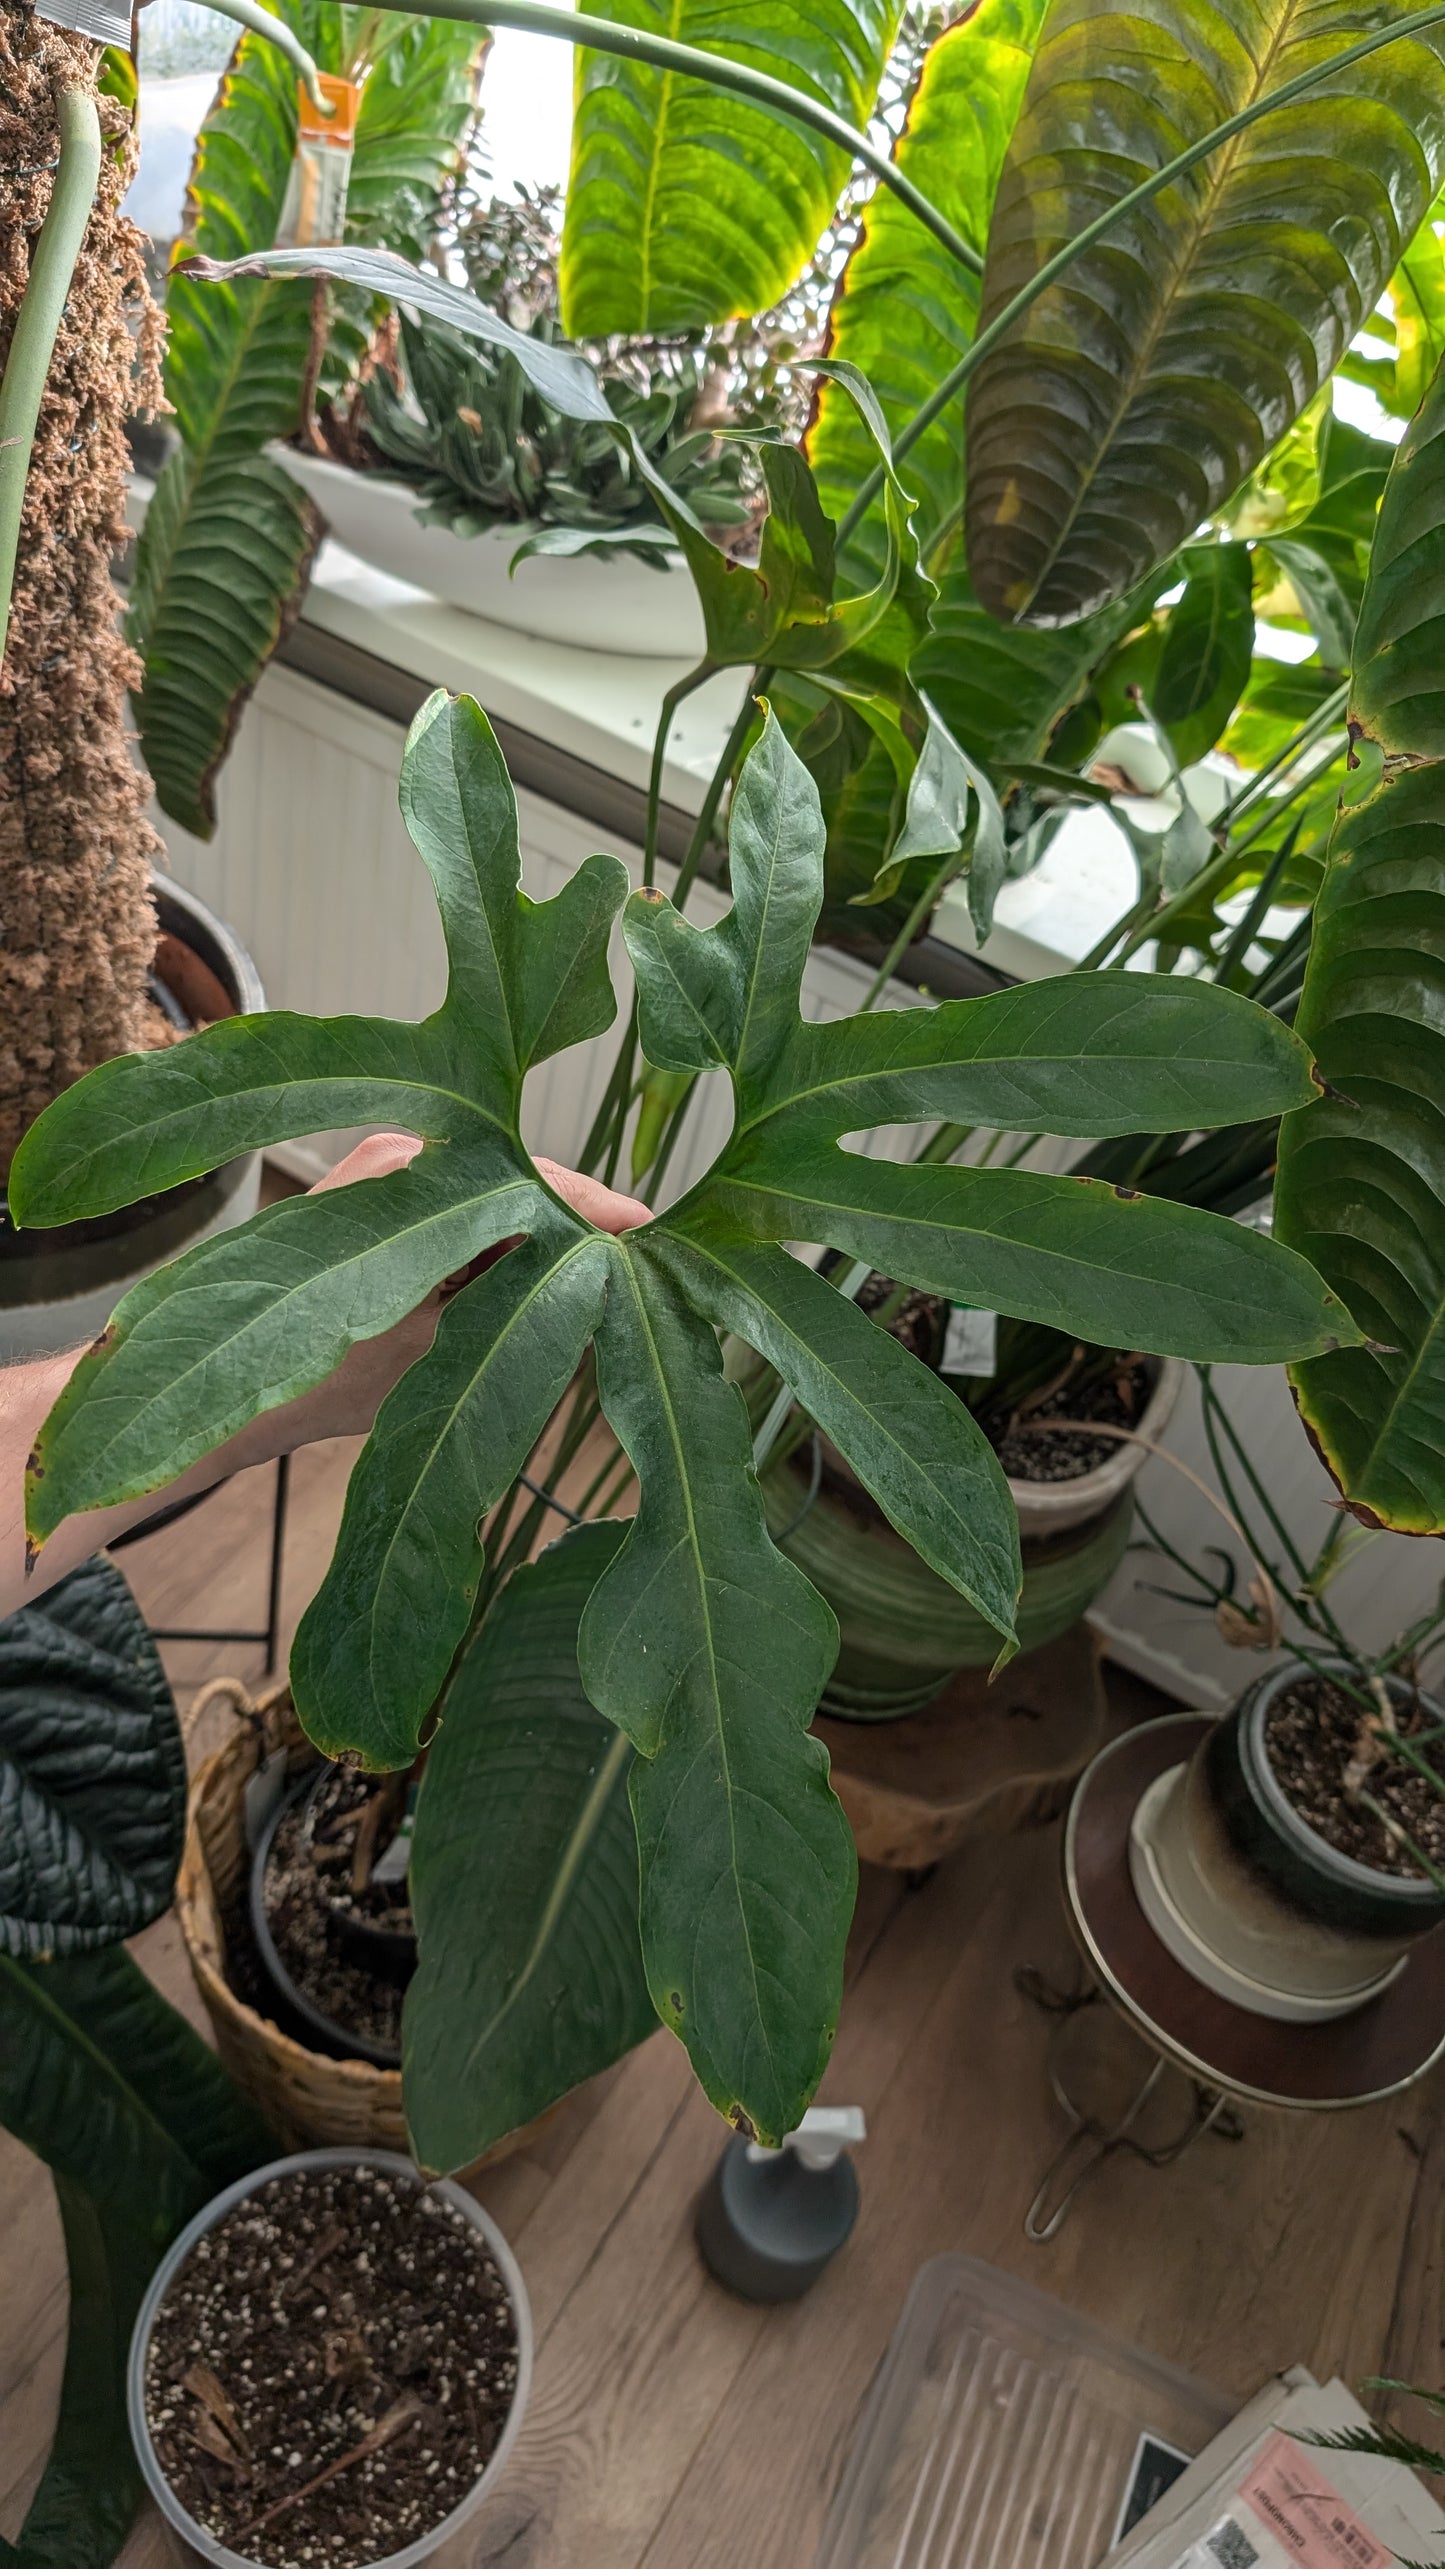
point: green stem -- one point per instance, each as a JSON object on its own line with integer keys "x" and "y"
{"x": 1322, "y": 720}
{"x": 909, "y": 930}
{"x": 664, "y": 53}
{"x": 1147, "y": 189}
{"x": 674, "y": 697}
{"x": 37, "y": 324}
{"x": 262, "y": 22}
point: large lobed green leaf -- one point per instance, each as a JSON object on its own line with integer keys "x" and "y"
{"x": 699, "y": 1642}
{"x": 523, "y": 1875}
{"x": 687, "y": 204}
{"x": 92, "y": 1770}
{"x": 1139, "y": 390}
{"x": 1361, "y": 1187}
{"x": 229, "y": 538}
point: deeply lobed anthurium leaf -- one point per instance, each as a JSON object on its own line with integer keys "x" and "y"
{"x": 1361, "y": 1184}
{"x": 1146, "y": 384}
{"x": 703, "y": 1646}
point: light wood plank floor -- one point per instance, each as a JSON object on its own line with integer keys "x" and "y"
{"x": 675, "y": 2427}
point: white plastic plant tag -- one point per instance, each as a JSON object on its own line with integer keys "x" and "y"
{"x": 970, "y": 1342}
{"x": 105, "y": 22}
{"x": 263, "y": 1791}
{"x": 314, "y": 211}
{"x": 391, "y": 1866}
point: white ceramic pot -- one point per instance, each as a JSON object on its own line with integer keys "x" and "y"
{"x": 453, "y": 2543}
{"x": 1052, "y": 1507}
{"x": 595, "y": 601}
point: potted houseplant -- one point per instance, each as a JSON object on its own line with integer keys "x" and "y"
{"x": 1299, "y": 1853}
{"x": 333, "y": 2357}
{"x": 667, "y": 1636}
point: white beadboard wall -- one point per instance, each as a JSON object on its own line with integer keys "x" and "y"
{"x": 312, "y": 867}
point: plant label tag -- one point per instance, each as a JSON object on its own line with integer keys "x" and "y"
{"x": 263, "y": 1792}
{"x": 1155, "y": 2468}
{"x": 392, "y": 1866}
{"x": 314, "y": 212}
{"x": 970, "y": 1342}
{"x": 105, "y": 22}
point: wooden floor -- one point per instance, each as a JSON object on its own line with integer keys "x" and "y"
{"x": 673, "y": 2426}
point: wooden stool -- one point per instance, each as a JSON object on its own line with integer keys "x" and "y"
{"x": 983, "y": 1760}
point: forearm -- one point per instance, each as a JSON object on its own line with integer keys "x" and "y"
{"x": 27, "y": 1393}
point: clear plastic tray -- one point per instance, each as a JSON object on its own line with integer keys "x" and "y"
{"x": 1004, "y": 2432}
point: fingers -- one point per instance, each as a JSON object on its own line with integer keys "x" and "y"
{"x": 595, "y": 1202}
{"x": 377, "y": 1156}
{"x": 381, "y": 1153}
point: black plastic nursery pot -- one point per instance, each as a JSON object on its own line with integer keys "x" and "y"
{"x": 223, "y": 2380}
{"x": 58, "y": 1287}
{"x": 387, "y": 1955}
{"x": 1251, "y": 1898}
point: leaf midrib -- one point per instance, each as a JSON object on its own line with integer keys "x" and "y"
{"x": 580, "y": 1837}
{"x": 715, "y": 1691}
{"x": 1135, "y": 374}
{"x": 322, "y": 1276}
{"x": 103, "y": 2065}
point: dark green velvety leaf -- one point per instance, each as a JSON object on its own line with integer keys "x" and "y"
{"x": 909, "y": 1438}
{"x": 256, "y": 1316}
{"x": 904, "y": 309}
{"x": 1147, "y": 383}
{"x": 711, "y": 1651}
{"x": 1361, "y": 1186}
{"x": 687, "y": 204}
{"x": 221, "y": 567}
{"x": 148, "y": 1121}
{"x": 1107, "y": 1266}
{"x": 92, "y": 1771}
{"x": 139, "y": 2125}
{"x": 530, "y": 977}
{"x": 1207, "y": 648}
{"x": 375, "y": 1644}
{"x": 530, "y": 1972}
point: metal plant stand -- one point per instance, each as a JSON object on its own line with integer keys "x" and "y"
{"x": 1227, "y": 2056}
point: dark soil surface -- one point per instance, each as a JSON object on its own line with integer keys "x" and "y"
{"x": 1116, "y": 1396}
{"x": 1312, "y": 1732}
{"x": 306, "y": 1883}
{"x": 331, "y": 2370}
{"x": 1119, "y": 1399}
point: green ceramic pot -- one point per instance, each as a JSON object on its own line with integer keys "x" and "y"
{"x": 904, "y": 1631}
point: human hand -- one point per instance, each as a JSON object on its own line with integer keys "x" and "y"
{"x": 347, "y": 1403}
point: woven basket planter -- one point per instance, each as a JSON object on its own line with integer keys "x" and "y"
{"x": 306, "y": 2098}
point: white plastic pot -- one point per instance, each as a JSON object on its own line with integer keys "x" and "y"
{"x": 451, "y": 2544}
{"x": 595, "y": 601}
